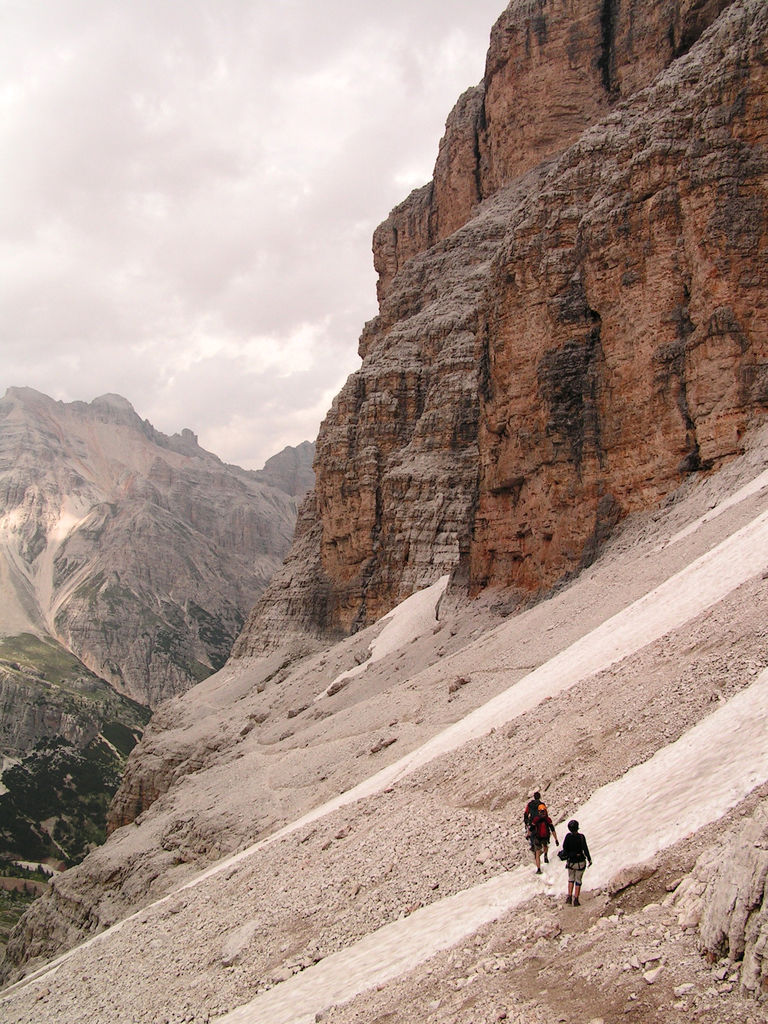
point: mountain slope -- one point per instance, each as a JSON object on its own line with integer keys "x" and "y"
{"x": 139, "y": 553}
{"x": 613, "y": 742}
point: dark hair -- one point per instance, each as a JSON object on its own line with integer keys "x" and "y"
{"x": 537, "y": 795}
{"x": 573, "y": 825}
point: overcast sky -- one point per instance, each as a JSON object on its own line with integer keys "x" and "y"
{"x": 189, "y": 189}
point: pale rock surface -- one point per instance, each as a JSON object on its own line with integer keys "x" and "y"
{"x": 139, "y": 553}
{"x": 727, "y": 896}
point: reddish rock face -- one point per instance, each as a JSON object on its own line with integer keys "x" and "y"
{"x": 627, "y": 341}
{"x": 572, "y": 314}
{"x": 553, "y": 68}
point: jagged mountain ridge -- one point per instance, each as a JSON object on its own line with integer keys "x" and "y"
{"x": 139, "y": 553}
{"x": 603, "y": 281}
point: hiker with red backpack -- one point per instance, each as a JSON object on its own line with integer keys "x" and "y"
{"x": 538, "y": 826}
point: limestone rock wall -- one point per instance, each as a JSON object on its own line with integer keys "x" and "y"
{"x": 594, "y": 332}
{"x": 553, "y": 68}
{"x": 396, "y": 459}
{"x": 627, "y": 340}
{"x": 726, "y": 896}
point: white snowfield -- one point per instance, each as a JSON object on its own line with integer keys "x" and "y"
{"x": 683, "y": 787}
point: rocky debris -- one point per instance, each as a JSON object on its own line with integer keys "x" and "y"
{"x": 382, "y": 744}
{"x": 220, "y": 791}
{"x": 454, "y": 823}
{"x": 456, "y": 684}
{"x": 514, "y": 971}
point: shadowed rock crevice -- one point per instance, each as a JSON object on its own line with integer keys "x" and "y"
{"x": 608, "y": 19}
{"x": 569, "y": 381}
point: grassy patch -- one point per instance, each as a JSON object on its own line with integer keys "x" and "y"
{"x": 42, "y": 657}
{"x": 12, "y": 906}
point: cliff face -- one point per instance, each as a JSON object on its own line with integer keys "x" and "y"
{"x": 571, "y": 314}
{"x": 626, "y": 343}
{"x": 554, "y": 68}
{"x": 139, "y": 553}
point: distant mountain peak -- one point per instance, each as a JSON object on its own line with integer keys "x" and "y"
{"x": 114, "y": 401}
{"x": 169, "y": 549}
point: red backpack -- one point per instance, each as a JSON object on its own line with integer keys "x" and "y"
{"x": 540, "y": 822}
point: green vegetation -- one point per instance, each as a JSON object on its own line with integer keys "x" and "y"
{"x": 58, "y": 795}
{"x": 44, "y": 658}
{"x": 12, "y": 906}
{"x": 57, "y": 678}
{"x": 57, "y": 799}
{"x": 214, "y": 633}
{"x": 120, "y": 736}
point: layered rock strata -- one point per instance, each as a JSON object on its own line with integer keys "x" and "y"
{"x": 627, "y": 340}
{"x": 574, "y": 340}
{"x": 726, "y": 896}
{"x": 553, "y": 68}
{"x": 397, "y": 453}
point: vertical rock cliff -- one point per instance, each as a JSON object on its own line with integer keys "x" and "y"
{"x": 572, "y": 314}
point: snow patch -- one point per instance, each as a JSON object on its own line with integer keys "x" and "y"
{"x": 747, "y": 491}
{"x": 407, "y": 622}
{"x": 683, "y": 787}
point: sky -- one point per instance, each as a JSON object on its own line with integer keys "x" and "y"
{"x": 189, "y": 190}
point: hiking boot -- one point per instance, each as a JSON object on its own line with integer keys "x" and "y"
{"x": 538, "y": 871}
{"x": 569, "y": 899}
{"x": 576, "y": 901}
{"x": 546, "y": 859}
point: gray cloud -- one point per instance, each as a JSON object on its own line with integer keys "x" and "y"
{"x": 188, "y": 192}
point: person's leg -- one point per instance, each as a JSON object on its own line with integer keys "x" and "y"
{"x": 546, "y": 852}
{"x": 578, "y": 874}
{"x": 537, "y": 856}
{"x": 569, "y": 897}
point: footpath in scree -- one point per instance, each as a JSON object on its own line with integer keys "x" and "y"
{"x": 670, "y": 605}
{"x": 681, "y": 788}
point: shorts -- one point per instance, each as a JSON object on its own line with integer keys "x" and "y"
{"x": 576, "y": 870}
{"x": 539, "y": 843}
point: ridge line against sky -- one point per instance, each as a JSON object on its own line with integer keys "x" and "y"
{"x": 189, "y": 193}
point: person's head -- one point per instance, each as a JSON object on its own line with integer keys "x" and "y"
{"x": 573, "y": 825}
{"x": 537, "y": 795}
